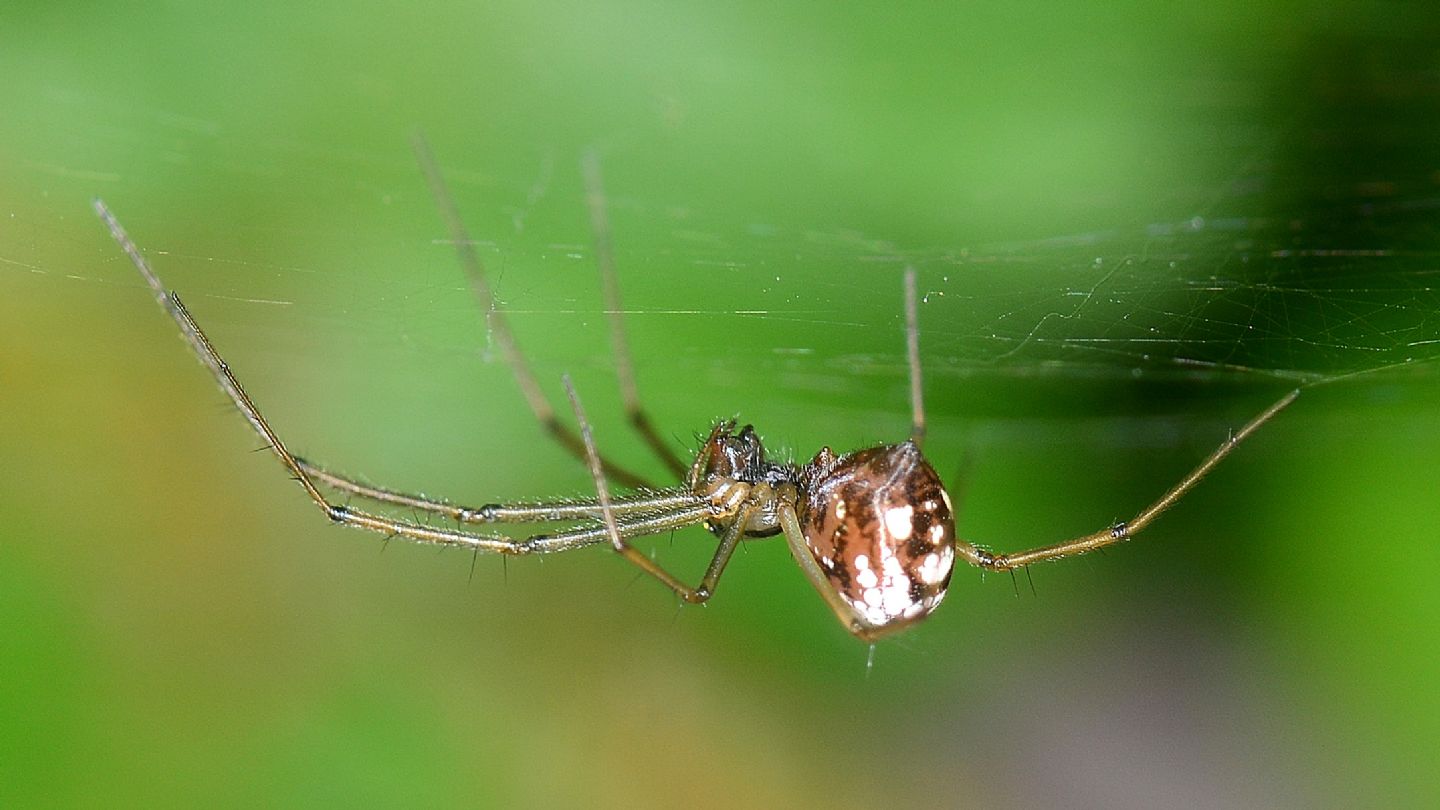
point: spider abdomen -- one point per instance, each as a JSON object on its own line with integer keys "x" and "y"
{"x": 879, "y": 524}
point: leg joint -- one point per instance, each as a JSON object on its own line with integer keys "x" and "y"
{"x": 482, "y": 514}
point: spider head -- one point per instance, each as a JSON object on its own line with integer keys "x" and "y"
{"x": 881, "y": 527}
{"x": 730, "y": 454}
{"x": 731, "y": 469}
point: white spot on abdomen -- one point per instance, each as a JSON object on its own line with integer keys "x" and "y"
{"x": 933, "y": 569}
{"x": 900, "y": 521}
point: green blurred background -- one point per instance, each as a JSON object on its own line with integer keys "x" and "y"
{"x": 1135, "y": 226}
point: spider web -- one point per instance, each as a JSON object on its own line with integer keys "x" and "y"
{"x": 1301, "y": 267}
{"x": 1232, "y": 294}
{"x": 1304, "y": 296}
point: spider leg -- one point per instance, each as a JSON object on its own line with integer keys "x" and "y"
{"x": 628, "y": 528}
{"x": 728, "y": 542}
{"x": 1122, "y": 531}
{"x": 912, "y": 353}
{"x": 499, "y": 325}
{"x": 624, "y": 367}
{"x": 643, "y": 504}
{"x": 647, "y": 501}
{"x": 228, "y": 383}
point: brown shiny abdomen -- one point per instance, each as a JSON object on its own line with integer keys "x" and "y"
{"x": 879, "y": 524}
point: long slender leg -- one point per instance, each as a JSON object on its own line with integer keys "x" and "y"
{"x": 538, "y": 512}
{"x": 499, "y": 325}
{"x": 624, "y": 368}
{"x": 220, "y": 370}
{"x": 657, "y": 512}
{"x": 1123, "y": 531}
{"x": 912, "y": 353}
{"x": 627, "y": 528}
{"x": 643, "y": 505}
{"x": 728, "y": 542}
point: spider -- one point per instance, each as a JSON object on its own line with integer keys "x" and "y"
{"x": 873, "y": 530}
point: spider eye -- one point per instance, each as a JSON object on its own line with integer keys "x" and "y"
{"x": 879, "y": 524}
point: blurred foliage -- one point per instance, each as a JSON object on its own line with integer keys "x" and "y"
{"x": 1136, "y": 224}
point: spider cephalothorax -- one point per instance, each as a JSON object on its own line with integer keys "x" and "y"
{"x": 739, "y": 455}
{"x": 731, "y": 469}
